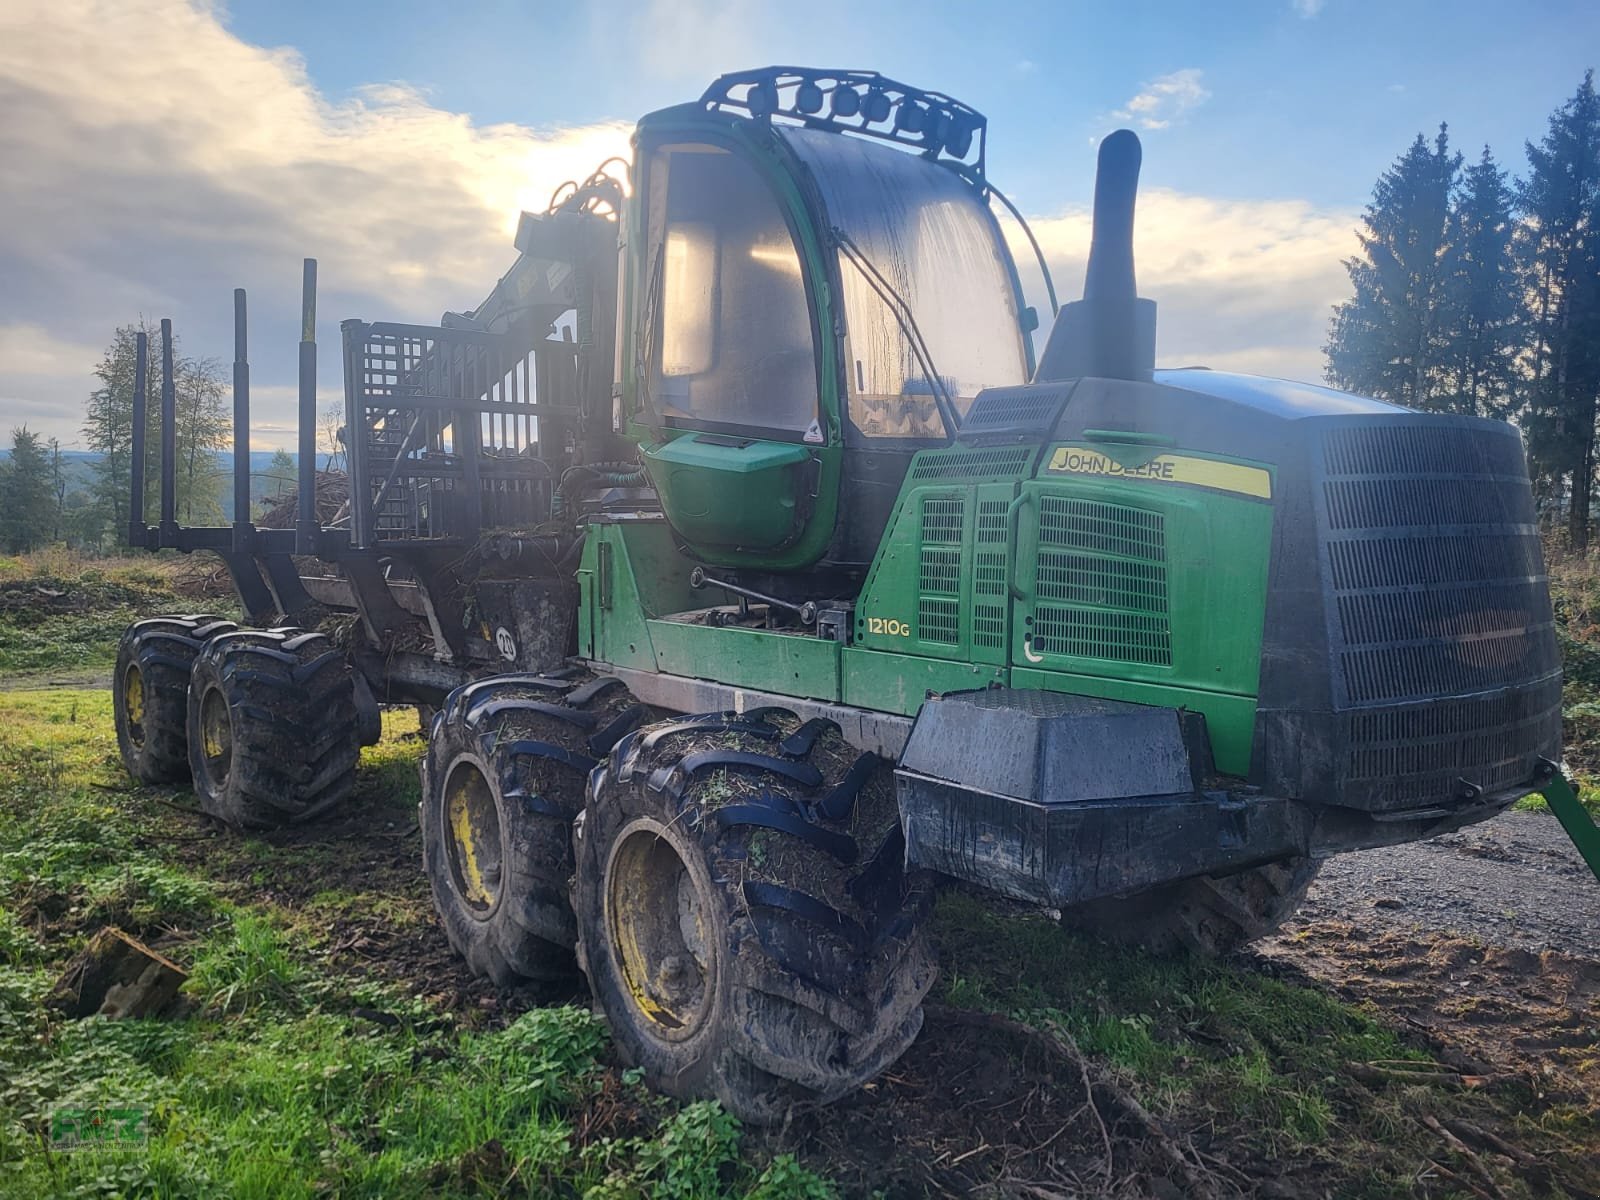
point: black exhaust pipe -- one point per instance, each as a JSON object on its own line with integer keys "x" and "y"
{"x": 1110, "y": 333}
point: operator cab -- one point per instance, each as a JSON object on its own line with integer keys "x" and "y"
{"x": 817, "y": 298}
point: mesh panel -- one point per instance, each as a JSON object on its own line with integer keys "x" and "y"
{"x": 954, "y": 464}
{"x": 1421, "y": 614}
{"x": 1446, "y": 668}
{"x": 939, "y": 605}
{"x": 989, "y": 576}
{"x": 1022, "y": 410}
{"x": 1101, "y": 582}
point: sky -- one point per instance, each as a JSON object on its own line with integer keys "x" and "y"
{"x": 155, "y": 154}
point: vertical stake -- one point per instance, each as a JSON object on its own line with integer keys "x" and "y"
{"x": 138, "y": 531}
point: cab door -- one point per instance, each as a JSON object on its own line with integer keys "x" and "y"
{"x": 729, "y": 376}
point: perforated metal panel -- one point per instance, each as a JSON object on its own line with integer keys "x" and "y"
{"x": 1445, "y": 664}
{"x": 939, "y": 577}
{"x": 989, "y": 576}
{"x": 958, "y": 464}
{"x": 1101, "y": 582}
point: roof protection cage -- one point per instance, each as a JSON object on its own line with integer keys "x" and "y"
{"x": 859, "y": 102}
{"x": 446, "y": 431}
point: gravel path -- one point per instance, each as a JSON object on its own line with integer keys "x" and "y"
{"x": 1515, "y": 881}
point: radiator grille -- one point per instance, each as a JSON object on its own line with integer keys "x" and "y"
{"x": 939, "y": 578}
{"x": 1421, "y": 613}
{"x": 1445, "y": 663}
{"x": 1101, "y": 582}
{"x": 989, "y": 576}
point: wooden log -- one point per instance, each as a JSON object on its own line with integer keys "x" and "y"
{"x": 116, "y": 976}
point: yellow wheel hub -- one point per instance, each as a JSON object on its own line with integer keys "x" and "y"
{"x": 658, "y": 915}
{"x": 133, "y": 703}
{"x": 216, "y": 738}
{"x": 472, "y": 829}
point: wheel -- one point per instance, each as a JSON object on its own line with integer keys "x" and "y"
{"x": 150, "y": 693}
{"x": 1210, "y": 914}
{"x": 273, "y": 732}
{"x": 746, "y": 920}
{"x": 503, "y": 778}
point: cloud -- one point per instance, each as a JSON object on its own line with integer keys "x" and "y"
{"x": 159, "y": 161}
{"x": 1307, "y": 9}
{"x": 1166, "y": 99}
{"x": 1242, "y": 285}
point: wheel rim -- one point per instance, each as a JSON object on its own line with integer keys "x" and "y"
{"x": 658, "y": 917}
{"x": 133, "y": 704}
{"x": 472, "y": 834}
{"x": 216, "y": 739}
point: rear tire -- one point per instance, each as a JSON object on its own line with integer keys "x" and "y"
{"x": 273, "y": 732}
{"x": 508, "y": 759}
{"x": 748, "y": 926}
{"x": 150, "y": 693}
{"x": 1210, "y": 914}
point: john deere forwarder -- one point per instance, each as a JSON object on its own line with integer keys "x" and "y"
{"x": 754, "y": 574}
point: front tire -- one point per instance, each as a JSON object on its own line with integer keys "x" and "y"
{"x": 503, "y": 778}
{"x": 274, "y": 735}
{"x": 1210, "y": 914}
{"x": 748, "y": 926}
{"x": 150, "y": 693}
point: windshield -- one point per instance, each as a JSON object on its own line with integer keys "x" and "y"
{"x": 925, "y": 231}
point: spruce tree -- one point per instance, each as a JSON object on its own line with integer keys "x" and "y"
{"x": 1560, "y": 250}
{"x": 1481, "y": 324}
{"x": 1385, "y": 341}
{"x": 27, "y": 507}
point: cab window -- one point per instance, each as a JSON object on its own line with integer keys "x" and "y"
{"x": 726, "y": 301}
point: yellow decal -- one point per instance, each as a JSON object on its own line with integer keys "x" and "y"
{"x": 888, "y": 626}
{"x": 1166, "y": 468}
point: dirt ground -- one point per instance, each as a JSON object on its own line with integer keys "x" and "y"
{"x": 1483, "y": 947}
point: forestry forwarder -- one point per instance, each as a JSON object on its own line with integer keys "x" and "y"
{"x": 755, "y": 574}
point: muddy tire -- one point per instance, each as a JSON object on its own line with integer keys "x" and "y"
{"x": 747, "y": 922}
{"x": 1210, "y": 914}
{"x": 508, "y": 759}
{"x": 150, "y": 693}
{"x": 274, "y": 736}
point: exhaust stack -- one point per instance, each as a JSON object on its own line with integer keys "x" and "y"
{"x": 1110, "y": 333}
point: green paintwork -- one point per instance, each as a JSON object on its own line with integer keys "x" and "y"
{"x": 1126, "y": 589}
{"x": 731, "y": 492}
{"x": 1575, "y": 819}
{"x": 937, "y": 588}
{"x": 789, "y": 663}
{"x": 900, "y": 683}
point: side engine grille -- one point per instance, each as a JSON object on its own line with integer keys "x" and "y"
{"x": 939, "y": 577}
{"x": 989, "y": 576}
{"x": 1101, "y": 582}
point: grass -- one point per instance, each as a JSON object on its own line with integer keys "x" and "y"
{"x": 275, "y": 1081}
{"x": 62, "y": 611}
{"x": 1266, "y": 1058}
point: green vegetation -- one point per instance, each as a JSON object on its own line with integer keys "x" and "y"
{"x": 61, "y": 611}
{"x": 285, "y": 1076}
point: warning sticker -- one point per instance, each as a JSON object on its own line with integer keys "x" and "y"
{"x": 1166, "y": 468}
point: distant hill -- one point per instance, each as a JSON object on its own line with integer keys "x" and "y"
{"x": 78, "y": 466}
